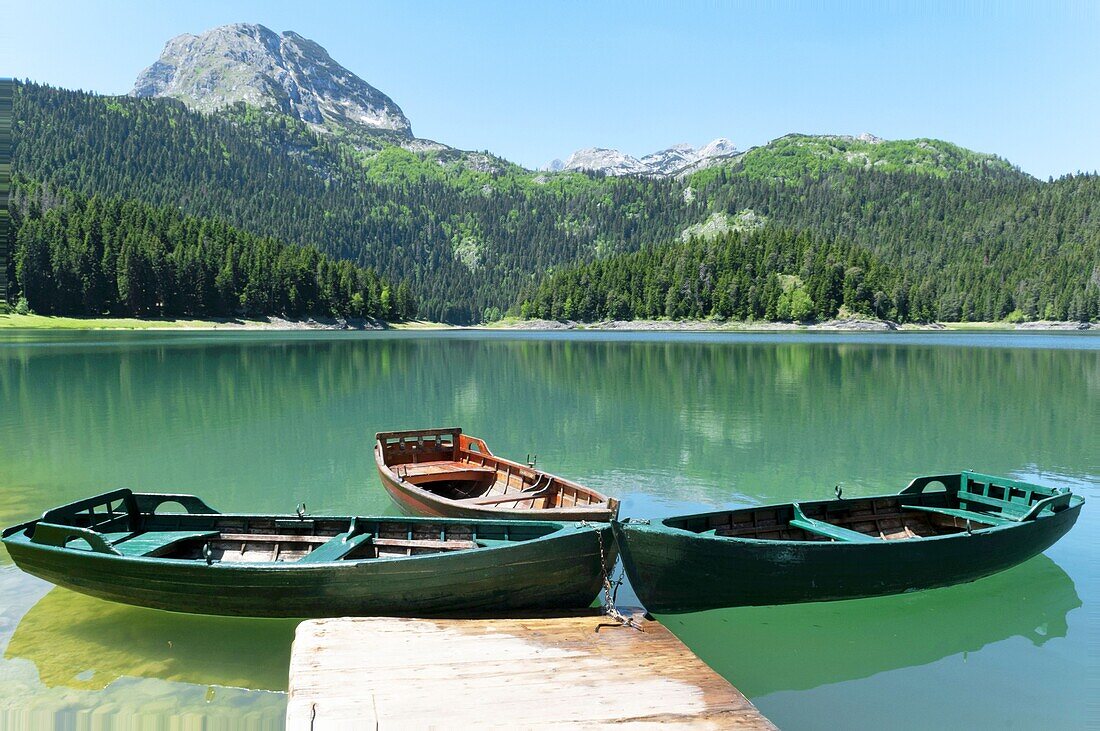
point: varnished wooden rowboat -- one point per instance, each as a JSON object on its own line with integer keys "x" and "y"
{"x": 119, "y": 546}
{"x": 974, "y": 526}
{"x": 445, "y": 472}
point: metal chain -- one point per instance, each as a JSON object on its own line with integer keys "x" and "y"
{"x": 609, "y": 607}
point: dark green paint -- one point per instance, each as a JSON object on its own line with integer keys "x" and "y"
{"x": 522, "y": 565}
{"x": 678, "y": 565}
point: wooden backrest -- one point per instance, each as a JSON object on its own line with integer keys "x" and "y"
{"x": 421, "y": 445}
{"x": 1011, "y": 498}
{"x": 109, "y": 512}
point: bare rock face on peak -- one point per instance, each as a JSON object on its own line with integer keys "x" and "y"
{"x": 252, "y": 64}
{"x": 602, "y": 160}
{"x": 663, "y": 163}
{"x": 668, "y": 161}
{"x": 720, "y": 147}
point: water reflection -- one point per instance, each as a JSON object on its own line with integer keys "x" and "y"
{"x": 18, "y": 503}
{"x": 85, "y": 643}
{"x": 763, "y": 650}
{"x": 266, "y": 423}
{"x": 671, "y": 424}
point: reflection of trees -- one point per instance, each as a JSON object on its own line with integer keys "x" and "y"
{"x": 260, "y": 421}
{"x": 187, "y": 413}
{"x": 764, "y": 416}
{"x": 763, "y": 650}
{"x": 18, "y": 503}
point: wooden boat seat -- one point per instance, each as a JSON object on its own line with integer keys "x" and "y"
{"x": 150, "y": 543}
{"x": 336, "y": 548}
{"x": 821, "y": 528}
{"x": 443, "y": 470}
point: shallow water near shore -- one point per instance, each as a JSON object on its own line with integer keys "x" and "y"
{"x": 669, "y": 422}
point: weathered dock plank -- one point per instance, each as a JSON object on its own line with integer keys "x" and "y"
{"x": 368, "y": 672}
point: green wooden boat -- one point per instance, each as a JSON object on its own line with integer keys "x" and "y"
{"x": 121, "y": 546}
{"x": 973, "y": 525}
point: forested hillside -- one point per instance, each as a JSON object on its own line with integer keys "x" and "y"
{"x": 921, "y": 228}
{"x": 763, "y": 274}
{"x": 1017, "y": 270}
{"x": 462, "y": 238}
{"x": 977, "y": 247}
{"x": 774, "y": 274}
{"x": 77, "y": 256}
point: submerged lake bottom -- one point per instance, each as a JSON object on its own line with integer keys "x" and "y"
{"x": 668, "y": 422}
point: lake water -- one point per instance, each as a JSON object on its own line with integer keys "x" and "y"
{"x": 668, "y": 422}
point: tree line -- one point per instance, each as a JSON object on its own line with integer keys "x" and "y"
{"x": 108, "y": 256}
{"x": 775, "y": 274}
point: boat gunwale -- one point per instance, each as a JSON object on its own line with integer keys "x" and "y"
{"x": 12, "y": 535}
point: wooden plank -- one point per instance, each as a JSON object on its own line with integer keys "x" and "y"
{"x": 273, "y": 538}
{"x": 379, "y": 672}
{"x": 420, "y": 469}
{"x": 508, "y": 497}
{"x": 451, "y": 545}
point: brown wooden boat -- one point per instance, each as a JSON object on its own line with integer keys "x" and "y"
{"x": 447, "y": 473}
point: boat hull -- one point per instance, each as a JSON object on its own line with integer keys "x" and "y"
{"x": 674, "y": 570}
{"x": 559, "y": 571}
{"x": 443, "y": 472}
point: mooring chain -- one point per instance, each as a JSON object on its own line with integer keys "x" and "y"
{"x": 609, "y": 607}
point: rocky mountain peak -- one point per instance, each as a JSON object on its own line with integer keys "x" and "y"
{"x": 600, "y": 159}
{"x": 253, "y": 64}
{"x": 717, "y": 148}
{"x": 663, "y": 163}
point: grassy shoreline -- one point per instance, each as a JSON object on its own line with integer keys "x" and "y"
{"x": 14, "y": 321}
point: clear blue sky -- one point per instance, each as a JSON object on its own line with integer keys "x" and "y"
{"x": 534, "y": 80}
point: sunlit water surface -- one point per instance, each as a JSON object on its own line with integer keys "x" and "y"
{"x": 668, "y": 422}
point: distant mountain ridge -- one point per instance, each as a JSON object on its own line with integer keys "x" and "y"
{"x": 663, "y": 163}
{"x": 292, "y": 75}
{"x": 250, "y": 63}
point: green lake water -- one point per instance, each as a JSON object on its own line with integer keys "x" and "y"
{"x": 670, "y": 423}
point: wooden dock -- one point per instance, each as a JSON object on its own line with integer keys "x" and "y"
{"x": 375, "y": 672}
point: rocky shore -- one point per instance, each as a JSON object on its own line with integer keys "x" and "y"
{"x": 850, "y": 324}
